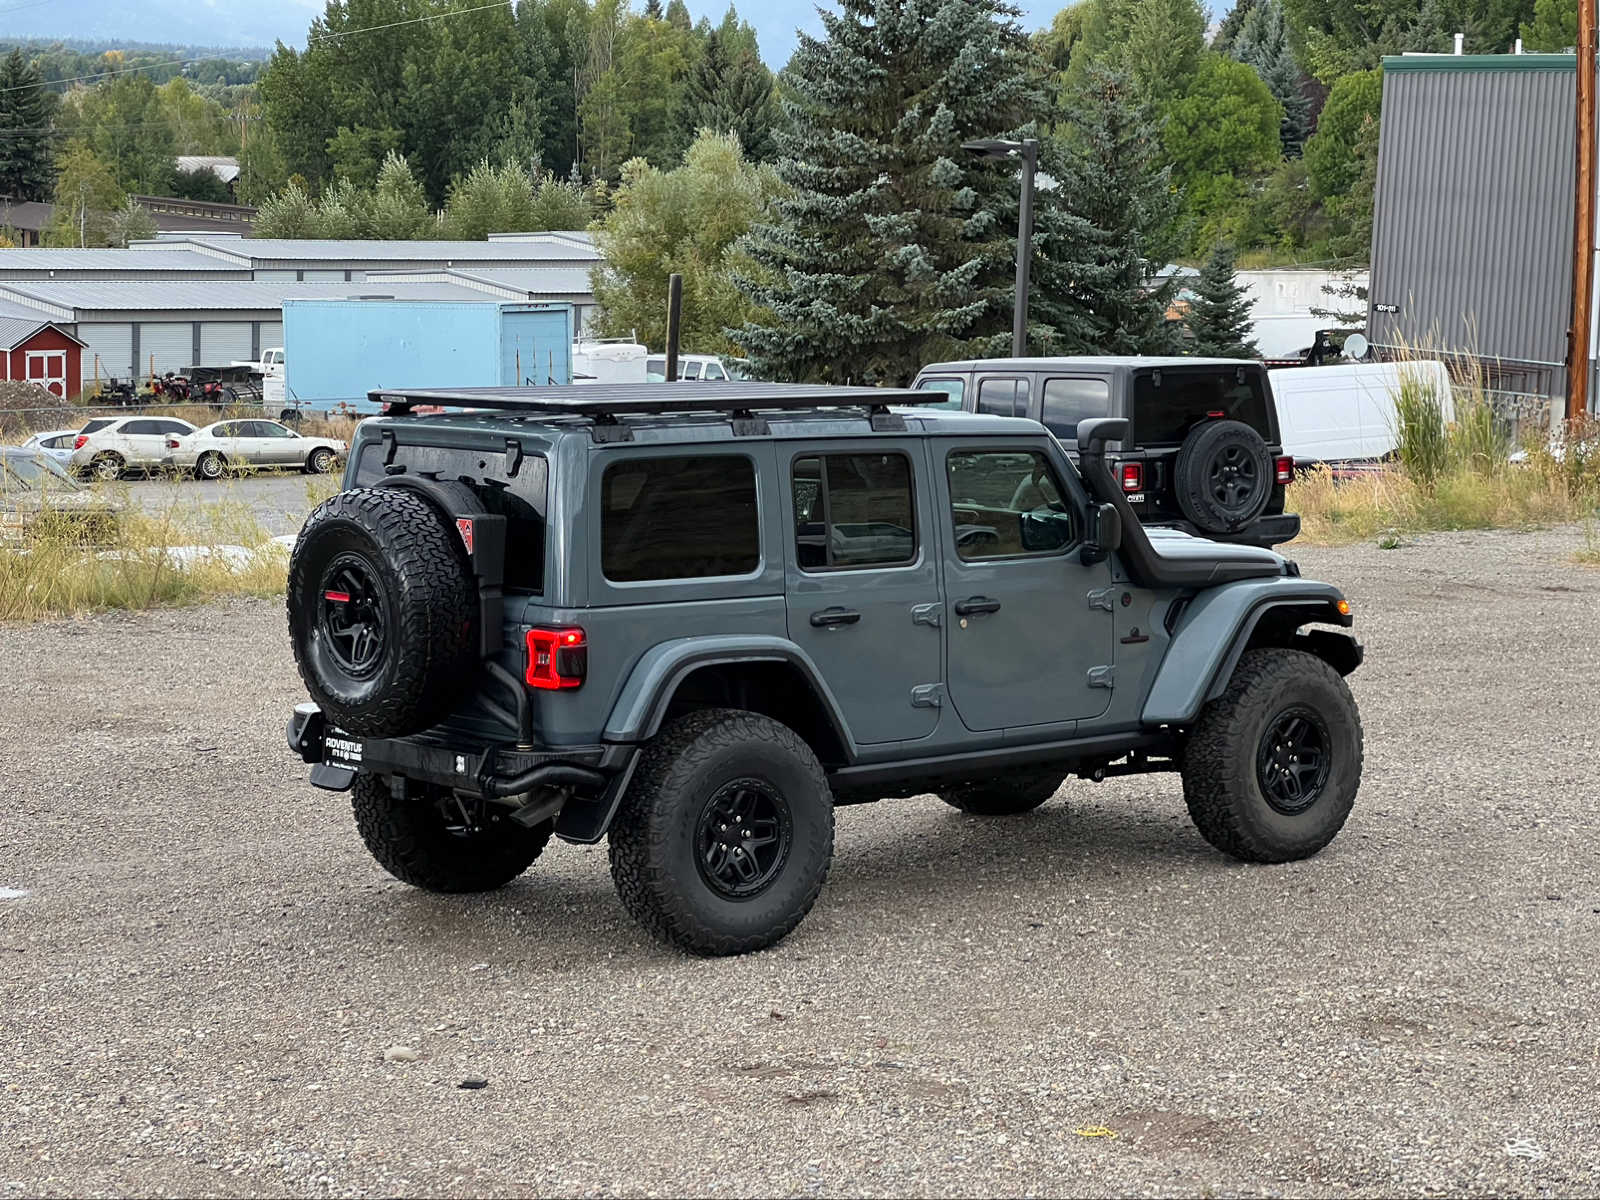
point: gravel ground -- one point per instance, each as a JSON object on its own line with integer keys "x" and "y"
{"x": 203, "y": 977}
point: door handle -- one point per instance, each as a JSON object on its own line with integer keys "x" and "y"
{"x": 977, "y": 604}
{"x": 829, "y": 617}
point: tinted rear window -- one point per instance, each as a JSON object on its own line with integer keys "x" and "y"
{"x": 96, "y": 426}
{"x": 520, "y": 499}
{"x": 1163, "y": 416}
{"x": 679, "y": 518}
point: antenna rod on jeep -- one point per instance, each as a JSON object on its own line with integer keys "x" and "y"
{"x": 674, "y": 321}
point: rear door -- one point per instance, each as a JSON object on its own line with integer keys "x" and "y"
{"x": 862, "y": 591}
{"x": 1028, "y": 626}
{"x": 1003, "y": 395}
{"x": 142, "y": 441}
{"x": 273, "y": 444}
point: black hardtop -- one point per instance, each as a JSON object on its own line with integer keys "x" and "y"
{"x": 1098, "y": 363}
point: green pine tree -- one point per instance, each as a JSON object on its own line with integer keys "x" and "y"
{"x": 730, "y": 93}
{"x": 889, "y": 248}
{"x": 1219, "y": 315}
{"x": 1229, "y": 28}
{"x": 1263, "y": 42}
{"x": 1118, "y": 186}
{"x": 26, "y": 170}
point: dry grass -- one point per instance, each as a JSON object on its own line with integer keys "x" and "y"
{"x": 191, "y": 550}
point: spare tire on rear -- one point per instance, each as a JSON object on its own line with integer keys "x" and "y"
{"x": 1222, "y": 478}
{"x": 382, "y": 612}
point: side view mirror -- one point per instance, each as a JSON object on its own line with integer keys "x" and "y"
{"x": 1105, "y": 534}
{"x": 1095, "y": 432}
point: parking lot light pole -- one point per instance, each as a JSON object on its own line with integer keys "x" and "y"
{"x": 1028, "y": 151}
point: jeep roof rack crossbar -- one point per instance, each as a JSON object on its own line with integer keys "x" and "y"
{"x": 607, "y": 401}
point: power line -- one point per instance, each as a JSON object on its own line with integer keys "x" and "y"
{"x": 456, "y": 12}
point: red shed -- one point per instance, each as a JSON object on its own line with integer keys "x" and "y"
{"x": 40, "y": 352}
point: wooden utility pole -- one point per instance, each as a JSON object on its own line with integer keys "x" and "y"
{"x": 1583, "y": 243}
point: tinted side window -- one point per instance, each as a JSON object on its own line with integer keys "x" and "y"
{"x": 226, "y": 431}
{"x": 954, "y": 388}
{"x": 96, "y": 426}
{"x": 1068, "y": 401}
{"x": 679, "y": 518}
{"x": 1003, "y": 397}
{"x": 691, "y": 370}
{"x": 172, "y": 427}
{"x": 140, "y": 427}
{"x": 1007, "y": 503}
{"x": 853, "y": 510}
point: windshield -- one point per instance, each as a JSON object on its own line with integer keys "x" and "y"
{"x": 40, "y": 473}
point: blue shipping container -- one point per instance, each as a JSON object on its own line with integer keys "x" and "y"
{"x": 336, "y": 351}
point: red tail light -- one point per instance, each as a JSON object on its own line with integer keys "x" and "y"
{"x": 557, "y": 658}
{"x": 172, "y": 443}
{"x": 1132, "y": 477}
{"x": 1283, "y": 469}
{"x": 80, "y": 441}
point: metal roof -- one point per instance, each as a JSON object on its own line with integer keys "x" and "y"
{"x": 526, "y": 281}
{"x": 14, "y": 331}
{"x": 164, "y": 259}
{"x": 1480, "y": 62}
{"x": 259, "y": 250}
{"x": 199, "y": 295}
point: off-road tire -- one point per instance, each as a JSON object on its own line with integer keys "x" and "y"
{"x": 423, "y": 610}
{"x": 210, "y": 465}
{"x": 108, "y": 466}
{"x": 655, "y": 839}
{"x": 1222, "y": 768}
{"x": 1019, "y": 792}
{"x": 319, "y": 461}
{"x": 1217, "y": 505}
{"x": 412, "y": 840}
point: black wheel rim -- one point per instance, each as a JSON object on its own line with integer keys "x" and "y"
{"x": 742, "y": 839}
{"x": 352, "y": 615}
{"x": 1234, "y": 477}
{"x": 1293, "y": 761}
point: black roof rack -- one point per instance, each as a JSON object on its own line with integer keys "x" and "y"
{"x": 607, "y": 401}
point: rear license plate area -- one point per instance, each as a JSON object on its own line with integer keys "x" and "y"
{"x": 339, "y": 749}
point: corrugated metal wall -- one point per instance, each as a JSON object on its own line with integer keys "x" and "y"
{"x": 1473, "y": 225}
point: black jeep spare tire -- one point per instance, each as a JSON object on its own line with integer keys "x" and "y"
{"x": 382, "y": 612}
{"x": 1222, "y": 477}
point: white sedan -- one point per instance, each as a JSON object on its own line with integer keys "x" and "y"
{"x": 57, "y": 443}
{"x": 251, "y": 445}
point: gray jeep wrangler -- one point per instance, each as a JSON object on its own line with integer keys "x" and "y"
{"x": 696, "y": 618}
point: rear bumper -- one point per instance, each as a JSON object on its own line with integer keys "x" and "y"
{"x": 589, "y": 779}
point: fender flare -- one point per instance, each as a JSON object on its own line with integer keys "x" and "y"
{"x": 1212, "y": 635}
{"x": 642, "y": 704}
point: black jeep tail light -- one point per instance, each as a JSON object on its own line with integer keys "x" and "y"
{"x": 1132, "y": 477}
{"x": 1283, "y": 470}
{"x": 557, "y": 658}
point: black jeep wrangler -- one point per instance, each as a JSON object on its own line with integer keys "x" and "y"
{"x": 1203, "y": 453}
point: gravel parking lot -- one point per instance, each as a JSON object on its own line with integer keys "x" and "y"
{"x": 206, "y": 969}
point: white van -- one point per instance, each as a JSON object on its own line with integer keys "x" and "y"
{"x": 608, "y": 362}
{"x": 1346, "y": 413}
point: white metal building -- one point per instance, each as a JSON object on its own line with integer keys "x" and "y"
{"x": 143, "y": 328}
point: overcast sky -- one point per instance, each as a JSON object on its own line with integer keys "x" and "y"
{"x": 251, "y": 22}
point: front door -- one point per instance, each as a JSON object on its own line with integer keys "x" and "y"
{"x": 48, "y": 368}
{"x": 1029, "y": 631}
{"x": 863, "y": 584}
